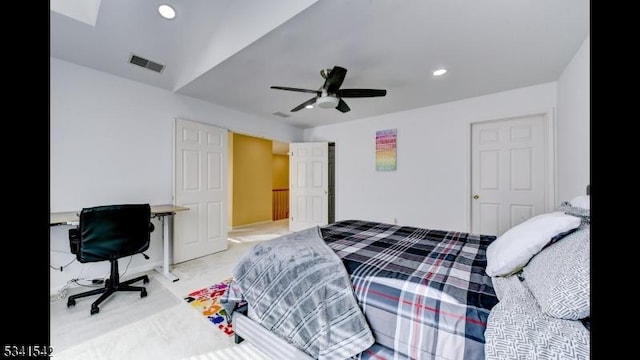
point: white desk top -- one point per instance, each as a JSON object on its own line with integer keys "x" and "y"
{"x": 60, "y": 218}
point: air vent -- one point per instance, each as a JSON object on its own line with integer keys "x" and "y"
{"x": 147, "y": 64}
{"x": 281, "y": 114}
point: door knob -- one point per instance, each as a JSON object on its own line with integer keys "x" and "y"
{"x": 476, "y": 197}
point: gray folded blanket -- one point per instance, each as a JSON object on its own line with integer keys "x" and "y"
{"x": 298, "y": 288}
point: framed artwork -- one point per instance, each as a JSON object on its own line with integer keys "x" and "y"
{"x": 386, "y": 150}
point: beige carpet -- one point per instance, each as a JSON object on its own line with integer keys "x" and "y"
{"x": 243, "y": 351}
{"x": 259, "y": 232}
{"x": 73, "y": 325}
{"x": 176, "y": 332}
{"x": 173, "y": 334}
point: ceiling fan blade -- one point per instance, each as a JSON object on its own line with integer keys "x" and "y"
{"x": 358, "y": 93}
{"x": 304, "y": 104}
{"x": 342, "y": 106}
{"x": 295, "y": 89}
{"x": 335, "y": 79}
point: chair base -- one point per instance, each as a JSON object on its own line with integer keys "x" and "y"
{"x": 112, "y": 285}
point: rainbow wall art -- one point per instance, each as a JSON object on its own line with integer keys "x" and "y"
{"x": 386, "y": 150}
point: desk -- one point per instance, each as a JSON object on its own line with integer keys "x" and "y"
{"x": 159, "y": 211}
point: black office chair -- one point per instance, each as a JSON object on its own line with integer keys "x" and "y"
{"x": 109, "y": 233}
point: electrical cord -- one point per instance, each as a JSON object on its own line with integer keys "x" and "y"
{"x": 92, "y": 284}
{"x": 127, "y": 267}
{"x": 62, "y": 293}
{"x": 60, "y": 251}
{"x": 62, "y": 267}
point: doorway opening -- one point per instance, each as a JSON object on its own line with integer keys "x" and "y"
{"x": 258, "y": 190}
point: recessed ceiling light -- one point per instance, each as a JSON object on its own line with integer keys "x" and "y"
{"x": 166, "y": 11}
{"x": 309, "y": 106}
{"x": 439, "y": 72}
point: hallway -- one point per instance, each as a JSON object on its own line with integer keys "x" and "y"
{"x": 259, "y": 232}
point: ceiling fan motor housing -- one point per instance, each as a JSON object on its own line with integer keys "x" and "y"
{"x": 327, "y": 102}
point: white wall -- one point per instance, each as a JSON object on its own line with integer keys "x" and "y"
{"x": 111, "y": 142}
{"x": 573, "y": 127}
{"x": 432, "y": 183}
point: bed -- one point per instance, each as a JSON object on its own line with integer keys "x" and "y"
{"x": 423, "y": 293}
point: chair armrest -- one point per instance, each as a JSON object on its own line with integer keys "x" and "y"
{"x": 74, "y": 240}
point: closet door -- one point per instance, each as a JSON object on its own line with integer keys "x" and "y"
{"x": 508, "y": 173}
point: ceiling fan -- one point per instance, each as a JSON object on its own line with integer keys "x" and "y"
{"x": 330, "y": 95}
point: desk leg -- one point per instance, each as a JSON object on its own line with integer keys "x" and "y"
{"x": 167, "y": 242}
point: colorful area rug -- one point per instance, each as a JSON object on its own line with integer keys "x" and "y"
{"x": 206, "y": 301}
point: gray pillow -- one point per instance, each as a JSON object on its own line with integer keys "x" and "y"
{"x": 559, "y": 277}
{"x": 583, "y": 214}
{"x": 518, "y": 329}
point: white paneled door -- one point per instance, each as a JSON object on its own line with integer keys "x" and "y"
{"x": 200, "y": 184}
{"x": 308, "y": 185}
{"x": 508, "y": 173}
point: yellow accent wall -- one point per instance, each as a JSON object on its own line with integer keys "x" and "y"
{"x": 252, "y": 180}
{"x": 280, "y": 171}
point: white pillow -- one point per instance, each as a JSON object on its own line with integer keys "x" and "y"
{"x": 511, "y": 251}
{"x": 581, "y": 201}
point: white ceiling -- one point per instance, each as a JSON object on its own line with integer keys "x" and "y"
{"x": 230, "y": 52}
{"x": 81, "y": 10}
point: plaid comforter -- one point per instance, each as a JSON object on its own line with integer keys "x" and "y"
{"x": 425, "y": 293}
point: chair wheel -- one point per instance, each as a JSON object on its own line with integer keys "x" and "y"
{"x": 145, "y": 280}
{"x": 143, "y": 293}
{"x": 71, "y": 302}
{"x": 94, "y": 310}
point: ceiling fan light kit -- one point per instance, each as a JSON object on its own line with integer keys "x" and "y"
{"x": 330, "y": 95}
{"x": 327, "y": 102}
